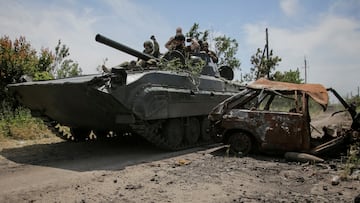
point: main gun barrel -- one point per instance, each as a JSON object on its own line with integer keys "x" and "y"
{"x": 121, "y": 47}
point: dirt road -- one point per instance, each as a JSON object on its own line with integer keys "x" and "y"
{"x": 132, "y": 171}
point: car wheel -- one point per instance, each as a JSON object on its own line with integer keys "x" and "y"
{"x": 240, "y": 143}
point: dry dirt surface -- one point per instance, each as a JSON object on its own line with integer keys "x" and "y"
{"x": 117, "y": 170}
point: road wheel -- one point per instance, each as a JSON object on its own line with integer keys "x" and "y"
{"x": 101, "y": 134}
{"x": 173, "y": 132}
{"x": 192, "y": 130}
{"x": 240, "y": 143}
{"x": 80, "y": 134}
{"x": 205, "y": 129}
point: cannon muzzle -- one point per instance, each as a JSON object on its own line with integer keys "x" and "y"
{"x": 121, "y": 47}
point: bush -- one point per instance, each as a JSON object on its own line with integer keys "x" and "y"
{"x": 352, "y": 161}
{"x": 19, "y": 124}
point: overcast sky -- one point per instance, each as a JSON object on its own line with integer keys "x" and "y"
{"x": 326, "y": 32}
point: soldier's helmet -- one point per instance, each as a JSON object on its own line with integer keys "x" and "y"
{"x": 148, "y": 44}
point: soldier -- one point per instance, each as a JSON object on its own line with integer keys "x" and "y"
{"x": 150, "y": 48}
{"x": 205, "y": 48}
{"x": 178, "y": 44}
{"x": 170, "y": 44}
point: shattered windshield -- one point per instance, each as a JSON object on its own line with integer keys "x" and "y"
{"x": 268, "y": 100}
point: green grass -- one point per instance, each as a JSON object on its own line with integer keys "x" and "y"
{"x": 352, "y": 161}
{"x": 20, "y": 125}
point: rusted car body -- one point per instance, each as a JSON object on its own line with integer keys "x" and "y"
{"x": 274, "y": 116}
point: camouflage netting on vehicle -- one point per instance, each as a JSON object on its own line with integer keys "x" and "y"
{"x": 193, "y": 66}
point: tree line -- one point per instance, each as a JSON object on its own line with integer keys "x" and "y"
{"x": 19, "y": 58}
{"x": 262, "y": 66}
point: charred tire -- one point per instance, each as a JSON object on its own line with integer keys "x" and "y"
{"x": 241, "y": 143}
{"x": 80, "y": 134}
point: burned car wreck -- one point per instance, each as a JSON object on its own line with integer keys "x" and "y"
{"x": 276, "y": 117}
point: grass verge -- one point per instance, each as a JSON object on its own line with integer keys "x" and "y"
{"x": 352, "y": 161}
{"x": 20, "y": 125}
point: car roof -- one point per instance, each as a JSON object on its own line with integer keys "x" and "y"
{"x": 316, "y": 91}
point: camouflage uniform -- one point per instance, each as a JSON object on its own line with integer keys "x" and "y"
{"x": 150, "y": 48}
{"x": 171, "y": 44}
{"x": 205, "y": 48}
{"x": 178, "y": 44}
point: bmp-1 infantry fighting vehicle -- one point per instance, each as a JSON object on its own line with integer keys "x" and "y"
{"x": 167, "y": 108}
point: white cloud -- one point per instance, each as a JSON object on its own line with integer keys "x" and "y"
{"x": 135, "y": 23}
{"x": 76, "y": 26}
{"x": 331, "y": 47}
{"x": 44, "y": 27}
{"x": 289, "y": 7}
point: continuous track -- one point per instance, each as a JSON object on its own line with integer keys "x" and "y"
{"x": 153, "y": 131}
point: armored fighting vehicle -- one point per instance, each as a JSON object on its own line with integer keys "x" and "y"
{"x": 167, "y": 108}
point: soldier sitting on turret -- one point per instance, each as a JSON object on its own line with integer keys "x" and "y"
{"x": 178, "y": 44}
{"x": 205, "y": 48}
{"x": 171, "y": 43}
{"x": 150, "y": 48}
